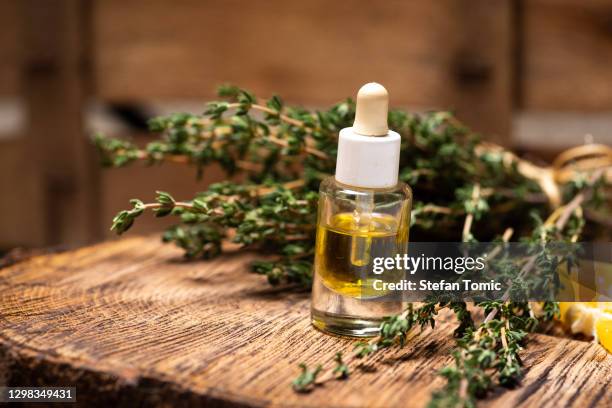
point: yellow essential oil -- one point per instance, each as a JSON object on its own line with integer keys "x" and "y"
{"x": 345, "y": 249}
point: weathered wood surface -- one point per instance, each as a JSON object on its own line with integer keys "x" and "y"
{"x": 130, "y": 322}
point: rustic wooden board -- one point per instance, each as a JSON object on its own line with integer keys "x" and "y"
{"x": 448, "y": 54}
{"x": 130, "y": 322}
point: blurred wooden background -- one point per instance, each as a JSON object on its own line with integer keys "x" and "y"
{"x": 531, "y": 74}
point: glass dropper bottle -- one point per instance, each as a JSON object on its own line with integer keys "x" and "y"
{"x": 364, "y": 213}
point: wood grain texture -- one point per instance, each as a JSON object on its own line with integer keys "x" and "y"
{"x": 567, "y": 54}
{"x": 129, "y": 322}
{"x": 444, "y": 54}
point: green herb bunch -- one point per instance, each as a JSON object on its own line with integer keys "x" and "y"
{"x": 279, "y": 155}
{"x": 275, "y": 157}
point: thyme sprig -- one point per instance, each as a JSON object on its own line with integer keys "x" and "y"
{"x": 489, "y": 355}
{"x": 395, "y": 330}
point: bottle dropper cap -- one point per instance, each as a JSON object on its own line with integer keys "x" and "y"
{"x": 368, "y": 152}
{"x": 372, "y": 110}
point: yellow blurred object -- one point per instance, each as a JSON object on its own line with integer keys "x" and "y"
{"x": 603, "y": 328}
{"x": 593, "y": 319}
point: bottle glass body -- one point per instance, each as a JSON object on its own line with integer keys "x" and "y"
{"x": 355, "y": 226}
